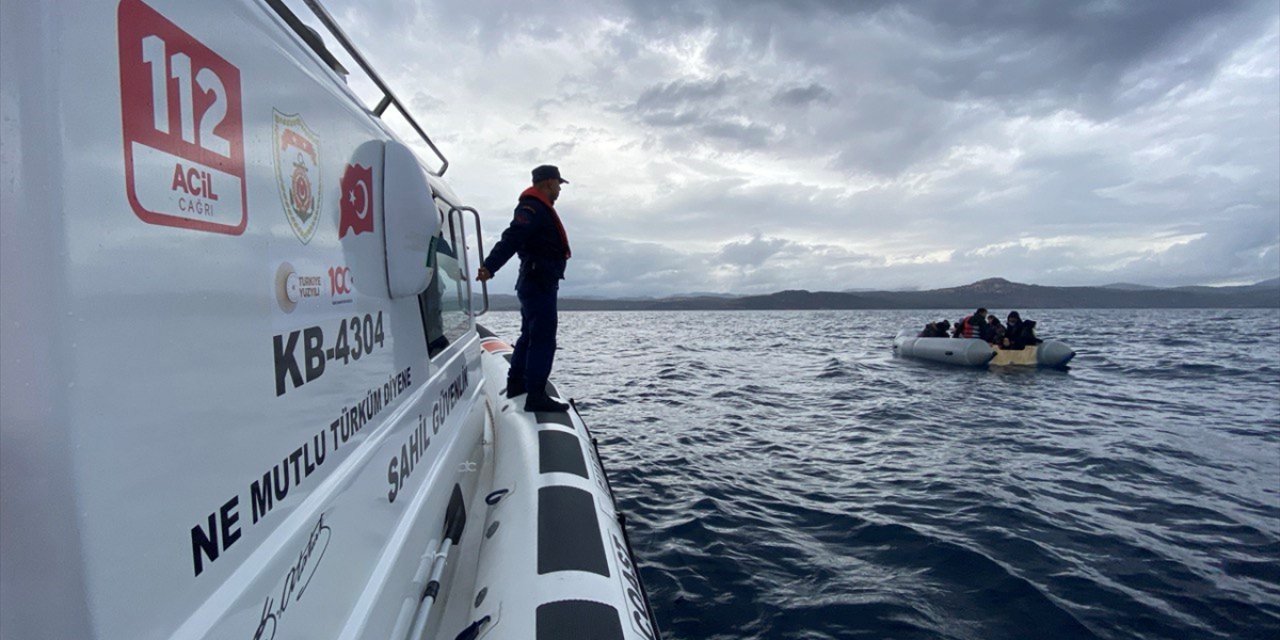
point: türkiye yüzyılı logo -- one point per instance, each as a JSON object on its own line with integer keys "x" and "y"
{"x": 297, "y": 158}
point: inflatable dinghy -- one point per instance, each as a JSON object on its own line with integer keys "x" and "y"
{"x": 965, "y": 352}
{"x": 971, "y": 352}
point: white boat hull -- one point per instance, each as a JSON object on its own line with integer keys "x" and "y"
{"x": 554, "y": 553}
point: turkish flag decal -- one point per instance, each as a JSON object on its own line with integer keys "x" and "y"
{"x": 357, "y": 200}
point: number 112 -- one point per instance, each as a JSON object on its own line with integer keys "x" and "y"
{"x": 179, "y": 67}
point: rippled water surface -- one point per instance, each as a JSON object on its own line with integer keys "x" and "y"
{"x": 786, "y": 477}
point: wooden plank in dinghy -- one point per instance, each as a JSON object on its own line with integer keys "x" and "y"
{"x": 1007, "y": 357}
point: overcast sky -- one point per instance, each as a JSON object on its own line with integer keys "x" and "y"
{"x": 750, "y": 146}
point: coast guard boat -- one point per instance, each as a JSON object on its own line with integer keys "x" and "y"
{"x": 244, "y": 394}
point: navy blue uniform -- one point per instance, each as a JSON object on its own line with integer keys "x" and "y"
{"x": 538, "y": 237}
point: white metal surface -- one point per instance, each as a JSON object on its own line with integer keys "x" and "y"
{"x": 218, "y": 411}
{"x": 192, "y": 261}
{"x": 411, "y": 221}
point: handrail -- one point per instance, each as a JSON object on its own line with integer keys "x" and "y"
{"x": 458, "y": 239}
{"x": 484, "y": 284}
{"x": 388, "y": 97}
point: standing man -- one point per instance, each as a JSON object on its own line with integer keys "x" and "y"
{"x": 538, "y": 236}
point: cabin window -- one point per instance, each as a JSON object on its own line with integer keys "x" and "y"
{"x": 446, "y": 302}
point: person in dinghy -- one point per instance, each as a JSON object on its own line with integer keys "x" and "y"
{"x": 537, "y": 235}
{"x": 939, "y": 329}
{"x": 970, "y": 326}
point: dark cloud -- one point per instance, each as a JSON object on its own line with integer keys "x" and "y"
{"x": 622, "y": 268}
{"x": 1244, "y": 249}
{"x": 740, "y": 145}
{"x": 802, "y": 96}
{"x": 1048, "y": 53}
{"x": 912, "y": 79}
{"x": 544, "y": 155}
{"x": 708, "y": 109}
{"x": 747, "y": 135}
{"x": 682, "y": 94}
{"x": 752, "y": 252}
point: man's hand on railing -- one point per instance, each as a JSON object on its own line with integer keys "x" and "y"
{"x": 483, "y": 274}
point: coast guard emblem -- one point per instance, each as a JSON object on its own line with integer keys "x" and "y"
{"x": 297, "y": 156}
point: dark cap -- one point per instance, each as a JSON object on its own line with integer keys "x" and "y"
{"x": 547, "y": 172}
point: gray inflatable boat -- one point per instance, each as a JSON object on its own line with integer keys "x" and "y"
{"x": 971, "y": 352}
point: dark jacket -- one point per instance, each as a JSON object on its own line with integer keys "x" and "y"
{"x": 934, "y": 330}
{"x": 1022, "y": 334}
{"x": 537, "y": 235}
{"x": 992, "y": 332}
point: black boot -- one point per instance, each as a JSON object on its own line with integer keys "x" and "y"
{"x": 540, "y": 401}
{"x": 515, "y": 387}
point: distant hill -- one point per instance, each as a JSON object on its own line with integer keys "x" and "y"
{"x": 992, "y": 292}
{"x": 1129, "y": 286}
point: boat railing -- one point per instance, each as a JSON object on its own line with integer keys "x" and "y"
{"x": 389, "y": 97}
{"x": 484, "y": 284}
{"x": 460, "y": 228}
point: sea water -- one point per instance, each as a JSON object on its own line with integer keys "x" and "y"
{"x": 786, "y": 477}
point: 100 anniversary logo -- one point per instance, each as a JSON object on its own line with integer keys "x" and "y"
{"x": 297, "y": 158}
